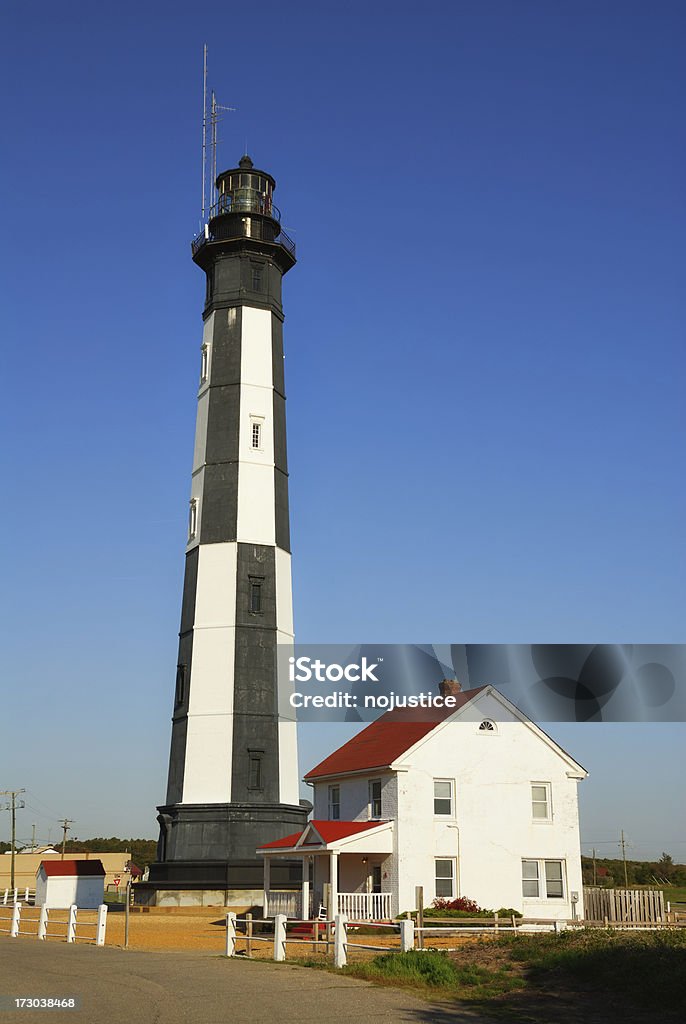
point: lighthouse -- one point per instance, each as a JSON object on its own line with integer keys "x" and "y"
{"x": 233, "y": 774}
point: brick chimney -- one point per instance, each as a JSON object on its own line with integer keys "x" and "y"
{"x": 449, "y": 688}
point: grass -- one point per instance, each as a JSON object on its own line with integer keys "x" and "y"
{"x": 613, "y": 971}
{"x": 675, "y": 893}
{"x": 648, "y": 968}
{"x": 438, "y": 972}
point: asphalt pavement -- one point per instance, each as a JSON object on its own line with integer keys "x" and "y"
{"x": 116, "y": 986}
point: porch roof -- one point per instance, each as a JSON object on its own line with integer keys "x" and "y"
{"x": 321, "y": 836}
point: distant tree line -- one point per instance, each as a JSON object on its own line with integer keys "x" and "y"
{"x": 143, "y": 851}
{"x": 610, "y": 872}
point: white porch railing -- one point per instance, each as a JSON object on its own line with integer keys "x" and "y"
{"x": 365, "y": 906}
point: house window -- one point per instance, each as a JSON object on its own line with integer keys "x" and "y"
{"x": 180, "y": 685}
{"x": 256, "y": 434}
{"x": 543, "y": 879}
{"x": 255, "y": 769}
{"x": 375, "y": 798}
{"x": 443, "y": 796}
{"x": 540, "y": 801}
{"x": 192, "y": 518}
{"x": 445, "y": 878}
{"x": 334, "y": 803}
{"x": 204, "y": 363}
{"x": 255, "y": 596}
{"x": 487, "y": 726}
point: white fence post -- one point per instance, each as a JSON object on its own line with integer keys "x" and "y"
{"x": 340, "y": 941}
{"x": 71, "y": 926}
{"x": 230, "y": 934}
{"x": 43, "y": 922}
{"x": 406, "y": 935}
{"x": 102, "y": 925}
{"x": 16, "y": 914}
{"x": 280, "y": 937}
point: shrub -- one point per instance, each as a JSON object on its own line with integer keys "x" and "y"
{"x": 463, "y": 904}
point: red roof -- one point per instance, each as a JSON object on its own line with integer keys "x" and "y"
{"x": 382, "y": 742}
{"x": 72, "y": 867}
{"x": 330, "y": 831}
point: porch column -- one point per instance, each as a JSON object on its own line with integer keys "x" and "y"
{"x": 305, "y": 910}
{"x": 333, "y": 879}
{"x": 265, "y": 884}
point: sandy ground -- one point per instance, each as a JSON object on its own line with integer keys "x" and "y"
{"x": 205, "y": 931}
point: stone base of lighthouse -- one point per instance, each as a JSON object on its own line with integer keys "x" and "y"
{"x": 207, "y": 854}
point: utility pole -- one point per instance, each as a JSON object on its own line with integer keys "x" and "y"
{"x": 595, "y": 876}
{"x": 66, "y": 824}
{"x": 33, "y": 838}
{"x": 622, "y": 843}
{"x": 12, "y": 805}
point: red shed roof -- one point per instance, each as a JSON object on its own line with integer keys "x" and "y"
{"x": 383, "y": 742}
{"x": 330, "y": 831}
{"x": 72, "y": 867}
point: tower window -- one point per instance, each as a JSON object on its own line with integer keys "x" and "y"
{"x": 256, "y": 435}
{"x": 192, "y": 518}
{"x": 180, "y": 685}
{"x": 257, "y": 279}
{"x": 255, "y": 596}
{"x": 204, "y": 363}
{"x": 255, "y": 769}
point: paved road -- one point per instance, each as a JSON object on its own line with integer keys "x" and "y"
{"x": 131, "y": 987}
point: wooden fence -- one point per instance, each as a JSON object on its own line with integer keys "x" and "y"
{"x": 624, "y": 906}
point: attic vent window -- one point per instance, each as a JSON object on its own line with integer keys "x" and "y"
{"x": 487, "y": 726}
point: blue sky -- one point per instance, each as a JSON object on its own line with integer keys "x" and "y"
{"x": 485, "y": 338}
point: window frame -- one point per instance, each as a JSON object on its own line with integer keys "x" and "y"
{"x": 204, "y": 363}
{"x": 548, "y": 816}
{"x": 542, "y": 880}
{"x": 255, "y": 757}
{"x": 334, "y": 803}
{"x": 255, "y": 585}
{"x": 192, "y": 519}
{"x": 374, "y": 801}
{"x": 257, "y": 422}
{"x": 443, "y": 878}
{"x": 450, "y": 813}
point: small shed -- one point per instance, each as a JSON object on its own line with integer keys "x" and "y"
{"x": 63, "y": 883}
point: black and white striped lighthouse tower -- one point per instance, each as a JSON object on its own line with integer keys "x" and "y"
{"x": 233, "y": 775}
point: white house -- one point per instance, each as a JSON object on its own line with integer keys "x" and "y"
{"x": 64, "y": 883}
{"x": 474, "y": 801}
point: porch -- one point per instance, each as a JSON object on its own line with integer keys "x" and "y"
{"x": 358, "y": 906}
{"x": 346, "y": 869}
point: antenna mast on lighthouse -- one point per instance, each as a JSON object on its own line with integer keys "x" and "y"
{"x": 215, "y": 114}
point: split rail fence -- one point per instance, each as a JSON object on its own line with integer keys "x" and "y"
{"x": 12, "y": 896}
{"x": 70, "y": 924}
